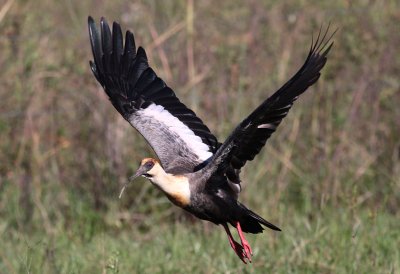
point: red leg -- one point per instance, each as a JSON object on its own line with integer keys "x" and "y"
{"x": 245, "y": 243}
{"x": 239, "y": 250}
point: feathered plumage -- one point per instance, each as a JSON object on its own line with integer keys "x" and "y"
{"x": 197, "y": 172}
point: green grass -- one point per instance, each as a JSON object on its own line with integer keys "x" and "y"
{"x": 325, "y": 240}
{"x": 329, "y": 176}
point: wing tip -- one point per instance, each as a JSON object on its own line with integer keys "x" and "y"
{"x": 322, "y": 44}
{"x": 141, "y": 52}
{"x": 105, "y": 43}
{"x": 90, "y": 20}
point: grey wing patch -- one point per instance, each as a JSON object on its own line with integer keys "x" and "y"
{"x": 179, "y": 138}
{"x": 178, "y": 149}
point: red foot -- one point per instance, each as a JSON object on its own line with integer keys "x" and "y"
{"x": 242, "y": 253}
{"x": 239, "y": 250}
{"x": 245, "y": 243}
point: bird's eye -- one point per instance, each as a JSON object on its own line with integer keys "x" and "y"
{"x": 149, "y": 165}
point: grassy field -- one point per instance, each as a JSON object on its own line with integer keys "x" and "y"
{"x": 329, "y": 177}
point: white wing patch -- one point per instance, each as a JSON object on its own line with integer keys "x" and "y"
{"x": 193, "y": 142}
{"x": 269, "y": 126}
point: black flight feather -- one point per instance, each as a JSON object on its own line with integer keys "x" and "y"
{"x": 132, "y": 85}
{"x": 250, "y": 136}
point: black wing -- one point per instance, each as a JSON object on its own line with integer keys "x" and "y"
{"x": 176, "y": 134}
{"x": 250, "y": 136}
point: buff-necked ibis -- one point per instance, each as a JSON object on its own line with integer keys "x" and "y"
{"x": 195, "y": 171}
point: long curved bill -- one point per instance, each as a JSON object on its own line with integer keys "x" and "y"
{"x": 138, "y": 173}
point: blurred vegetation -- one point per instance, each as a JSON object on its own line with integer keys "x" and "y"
{"x": 329, "y": 177}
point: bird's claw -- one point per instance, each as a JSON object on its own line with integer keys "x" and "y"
{"x": 247, "y": 249}
{"x": 241, "y": 251}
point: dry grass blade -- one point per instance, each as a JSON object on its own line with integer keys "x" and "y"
{"x": 5, "y": 8}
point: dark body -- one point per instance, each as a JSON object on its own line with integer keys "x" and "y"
{"x": 216, "y": 201}
{"x": 196, "y": 172}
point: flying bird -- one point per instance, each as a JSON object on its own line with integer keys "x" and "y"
{"x": 194, "y": 170}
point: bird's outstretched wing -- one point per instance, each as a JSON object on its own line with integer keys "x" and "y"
{"x": 249, "y": 137}
{"x": 179, "y": 138}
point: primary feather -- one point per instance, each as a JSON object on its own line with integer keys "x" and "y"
{"x": 250, "y": 136}
{"x": 177, "y": 135}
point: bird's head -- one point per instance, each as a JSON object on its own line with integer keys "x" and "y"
{"x": 176, "y": 187}
{"x": 149, "y": 168}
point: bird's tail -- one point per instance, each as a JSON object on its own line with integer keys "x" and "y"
{"x": 251, "y": 222}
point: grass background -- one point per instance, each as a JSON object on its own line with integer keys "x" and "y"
{"x": 329, "y": 177}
